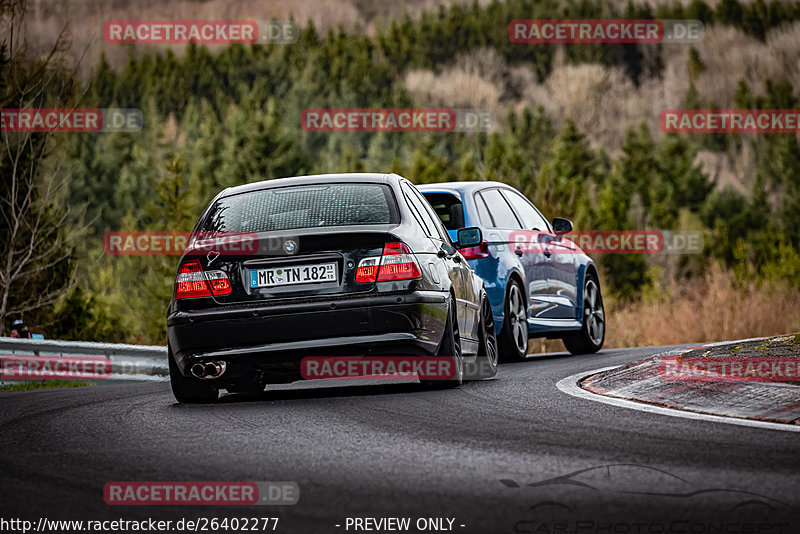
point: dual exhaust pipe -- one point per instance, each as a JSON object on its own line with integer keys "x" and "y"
{"x": 208, "y": 370}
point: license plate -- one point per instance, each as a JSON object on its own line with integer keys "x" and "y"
{"x": 294, "y": 274}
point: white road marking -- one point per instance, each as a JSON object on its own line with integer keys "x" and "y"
{"x": 569, "y": 385}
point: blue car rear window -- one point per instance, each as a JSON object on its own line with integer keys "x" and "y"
{"x": 448, "y": 207}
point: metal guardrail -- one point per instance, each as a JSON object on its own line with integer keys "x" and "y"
{"x": 128, "y": 362}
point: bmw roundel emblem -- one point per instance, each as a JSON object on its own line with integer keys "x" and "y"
{"x": 290, "y": 247}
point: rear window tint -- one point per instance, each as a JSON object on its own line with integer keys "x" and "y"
{"x": 449, "y": 209}
{"x": 305, "y": 206}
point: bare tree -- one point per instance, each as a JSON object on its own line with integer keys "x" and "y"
{"x": 37, "y": 264}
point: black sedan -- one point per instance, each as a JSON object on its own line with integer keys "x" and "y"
{"x": 345, "y": 266}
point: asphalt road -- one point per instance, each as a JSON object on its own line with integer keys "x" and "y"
{"x": 513, "y": 454}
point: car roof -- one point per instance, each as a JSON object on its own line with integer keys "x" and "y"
{"x": 365, "y": 177}
{"x": 461, "y": 187}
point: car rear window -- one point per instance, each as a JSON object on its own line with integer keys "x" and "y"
{"x": 449, "y": 209}
{"x": 304, "y": 206}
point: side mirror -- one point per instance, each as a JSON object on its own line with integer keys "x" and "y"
{"x": 561, "y": 226}
{"x": 469, "y": 237}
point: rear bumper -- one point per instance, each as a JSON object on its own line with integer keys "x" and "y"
{"x": 278, "y": 337}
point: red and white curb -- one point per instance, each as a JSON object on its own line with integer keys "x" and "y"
{"x": 639, "y": 386}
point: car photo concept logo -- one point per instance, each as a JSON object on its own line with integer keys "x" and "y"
{"x": 559, "y": 503}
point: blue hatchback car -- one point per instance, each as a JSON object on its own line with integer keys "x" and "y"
{"x": 539, "y": 283}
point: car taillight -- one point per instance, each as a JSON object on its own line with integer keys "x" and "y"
{"x": 192, "y": 282}
{"x": 367, "y": 270}
{"x": 396, "y": 263}
{"x": 220, "y": 285}
{"x": 476, "y": 252}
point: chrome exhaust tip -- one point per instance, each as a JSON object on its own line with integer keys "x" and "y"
{"x": 198, "y": 370}
{"x": 208, "y": 370}
{"x": 212, "y": 370}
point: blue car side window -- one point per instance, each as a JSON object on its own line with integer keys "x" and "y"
{"x": 531, "y": 219}
{"x": 501, "y": 212}
{"x": 483, "y": 211}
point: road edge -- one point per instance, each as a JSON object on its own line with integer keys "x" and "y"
{"x": 570, "y": 385}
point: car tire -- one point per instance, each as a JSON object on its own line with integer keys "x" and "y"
{"x": 450, "y": 347}
{"x": 513, "y": 339}
{"x": 485, "y": 365}
{"x": 589, "y": 339}
{"x": 189, "y": 390}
